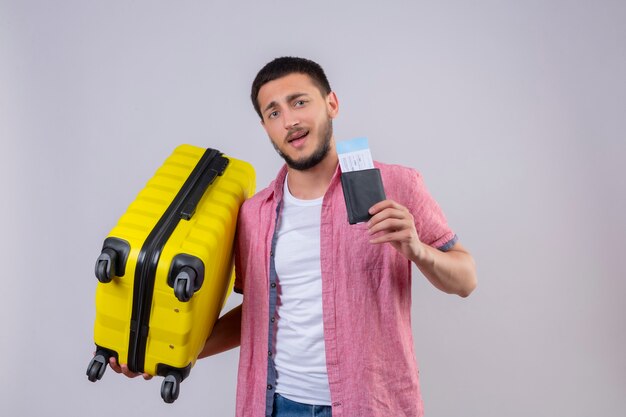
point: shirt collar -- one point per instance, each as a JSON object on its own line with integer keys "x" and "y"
{"x": 279, "y": 182}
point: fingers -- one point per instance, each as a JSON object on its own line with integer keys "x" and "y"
{"x": 114, "y": 365}
{"x": 123, "y": 369}
{"x": 388, "y": 209}
{"x": 390, "y": 216}
{"x": 392, "y": 222}
{"x": 389, "y": 224}
{"x": 392, "y": 231}
{"x": 380, "y": 206}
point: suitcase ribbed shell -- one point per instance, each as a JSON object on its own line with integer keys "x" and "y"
{"x": 177, "y": 329}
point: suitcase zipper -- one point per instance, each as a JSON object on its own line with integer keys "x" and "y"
{"x": 211, "y": 164}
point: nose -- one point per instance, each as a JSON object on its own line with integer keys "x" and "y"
{"x": 289, "y": 119}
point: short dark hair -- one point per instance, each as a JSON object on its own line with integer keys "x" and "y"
{"x": 286, "y": 65}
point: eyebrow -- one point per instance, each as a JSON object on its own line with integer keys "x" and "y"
{"x": 290, "y": 97}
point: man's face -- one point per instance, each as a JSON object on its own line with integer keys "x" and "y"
{"x": 298, "y": 119}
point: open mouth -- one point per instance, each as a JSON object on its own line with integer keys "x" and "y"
{"x": 300, "y": 134}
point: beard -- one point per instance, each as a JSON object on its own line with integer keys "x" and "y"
{"x": 318, "y": 154}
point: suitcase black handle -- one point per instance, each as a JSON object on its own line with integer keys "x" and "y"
{"x": 215, "y": 168}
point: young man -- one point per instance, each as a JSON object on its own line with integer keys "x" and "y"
{"x": 324, "y": 326}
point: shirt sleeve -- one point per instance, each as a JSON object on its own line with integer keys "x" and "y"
{"x": 430, "y": 222}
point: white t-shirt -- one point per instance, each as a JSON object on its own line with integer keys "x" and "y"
{"x": 300, "y": 357}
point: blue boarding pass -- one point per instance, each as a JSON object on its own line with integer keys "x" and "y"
{"x": 354, "y": 155}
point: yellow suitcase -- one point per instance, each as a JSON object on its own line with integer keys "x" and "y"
{"x": 166, "y": 268}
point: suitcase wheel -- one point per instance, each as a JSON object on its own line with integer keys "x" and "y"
{"x": 102, "y": 271}
{"x": 170, "y": 388}
{"x": 184, "y": 284}
{"x": 112, "y": 260}
{"x": 96, "y": 367}
{"x": 105, "y": 265}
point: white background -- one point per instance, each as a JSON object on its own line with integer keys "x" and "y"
{"x": 513, "y": 111}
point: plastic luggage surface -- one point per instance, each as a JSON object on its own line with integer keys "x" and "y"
{"x": 166, "y": 268}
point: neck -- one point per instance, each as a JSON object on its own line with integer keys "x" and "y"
{"x": 313, "y": 183}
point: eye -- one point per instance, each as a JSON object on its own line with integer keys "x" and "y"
{"x": 299, "y": 103}
{"x": 272, "y": 115}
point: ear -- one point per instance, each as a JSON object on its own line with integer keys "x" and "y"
{"x": 332, "y": 105}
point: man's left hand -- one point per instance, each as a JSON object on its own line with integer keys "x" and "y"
{"x": 393, "y": 223}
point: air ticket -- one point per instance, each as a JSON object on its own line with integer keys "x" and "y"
{"x": 354, "y": 155}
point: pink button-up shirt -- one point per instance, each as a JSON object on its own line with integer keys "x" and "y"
{"x": 366, "y": 301}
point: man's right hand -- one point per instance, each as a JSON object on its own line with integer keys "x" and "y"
{"x": 123, "y": 369}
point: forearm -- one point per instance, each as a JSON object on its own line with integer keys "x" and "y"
{"x": 226, "y": 334}
{"x": 453, "y": 272}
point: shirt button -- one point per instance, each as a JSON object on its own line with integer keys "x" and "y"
{"x": 273, "y": 319}
{"x": 273, "y": 285}
{"x": 269, "y": 353}
{"x": 269, "y": 386}
{"x": 271, "y": 253}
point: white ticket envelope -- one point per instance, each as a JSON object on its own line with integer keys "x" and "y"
{"x": 354, "y": 155}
